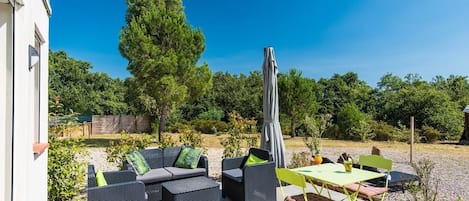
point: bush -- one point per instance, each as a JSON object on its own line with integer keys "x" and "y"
{"x": 154, "y": 126}
{"x": 332, "y": 132}
{"x": 301, "y": 159}
{"x": 189, "y": 137}
{"x": 431, "y": 134}
{"x": 234, "y": 143}
{"x": 363, "y": 130}
{"x": 212, "y": 114}
{"x": 66, "y": 175}
{"x": 177, "y": 127}
{"x": 285, "y": 124}
{"x": 209, "y": 126}
{"x": 349, "y": 117}
{"x": 384, "y": 131}
{"x": 425, "y": 189}
{"x": 166, "y": 141}
{"x": 117, "y": 149}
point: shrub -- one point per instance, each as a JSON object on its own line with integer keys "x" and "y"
{"x": 166, "y": 141}
{"x": 233, "y": 144}
{"x": 285, "y": 124}
{"x": 332, "y": 132}
{"x": 424, "y": 189}
{"x": 301, "y": 159}
{"x": 431, "y": 134}
{"x": 65, "y": 173}
{"x": 349, "y": 117}
{"x": 189, "y": 137}
{"x": 384, "y": 131}
{"x": 363, "y": 130}
{"x": 176, "y": 127}
{"x": 212, "y": 114}
{"x": 154, "y": 126}
{"x": 117, "y": 149}
{"x": 252, "y": 141}
{"x": 209, "y": 126}
{"x": 404, "y": 133}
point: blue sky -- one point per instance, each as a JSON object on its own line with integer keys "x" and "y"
{"x": 320, "y": 37}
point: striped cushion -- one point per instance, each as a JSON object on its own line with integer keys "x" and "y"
{"x": 366, "y": 189}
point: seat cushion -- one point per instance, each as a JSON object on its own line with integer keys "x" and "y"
{"x": 253, "y": 159}
{"x": 189, "y": 157}
{"x": 366, "y": 189}
{"x": 100, "y": 180}
{"x": 155, "y": 175}
{"x": 178, "y": 173}
{"x": 234, "y": 174}
{"x": 137, "y": 161}
{"x": 182, "y": 156}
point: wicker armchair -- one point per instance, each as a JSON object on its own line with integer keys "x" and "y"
{"x": 249, "y": 183}
{"x": 122, "y": 185}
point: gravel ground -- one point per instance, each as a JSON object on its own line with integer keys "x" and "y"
{"x": 451, "y": 172}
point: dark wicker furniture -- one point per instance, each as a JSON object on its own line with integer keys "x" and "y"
{"x": 121, "y": 186}
{"x": 249, "y": 183}
{"x": 191, "y": 189}
{"x": 398, "y": 182}
{"x": 162, "y": 162}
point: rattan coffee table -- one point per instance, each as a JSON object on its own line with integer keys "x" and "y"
{"x": 191, "y": 189}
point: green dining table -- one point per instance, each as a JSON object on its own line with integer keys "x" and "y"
{"x": 335, "y": 174}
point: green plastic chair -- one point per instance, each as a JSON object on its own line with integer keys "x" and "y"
{"x": 378, "y": 162}
{"x": 291, "y": 177}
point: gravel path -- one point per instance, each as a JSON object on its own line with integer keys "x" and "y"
{"x": 452, "y": 172}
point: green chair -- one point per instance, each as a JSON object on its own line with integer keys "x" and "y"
{"x": 370, "y": 191}
{"x": 291, "y": 177}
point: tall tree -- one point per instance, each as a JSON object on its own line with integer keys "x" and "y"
{"x": 334, "y": 93}
{"x": 82, "y": 91}
{"x": 456, "y": 86}
{"x": 163, "y": 49}
{"x": 296, "y": 97}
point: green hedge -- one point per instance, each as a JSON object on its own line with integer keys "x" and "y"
{"x": 209, "y": 126}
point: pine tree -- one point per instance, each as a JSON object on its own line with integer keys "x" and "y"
{"x": 163, "y": 49}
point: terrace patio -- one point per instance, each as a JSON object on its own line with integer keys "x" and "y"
{"x": 399, "y": 157}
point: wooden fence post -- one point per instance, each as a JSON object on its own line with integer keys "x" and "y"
{"x": 411, "y": 137}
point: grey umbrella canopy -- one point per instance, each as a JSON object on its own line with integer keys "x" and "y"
{"x": 271, "y": 137}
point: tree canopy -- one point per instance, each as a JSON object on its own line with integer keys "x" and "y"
{"x": 82, "y": 91}
{"x": 355, "y": 106}
{"x": 163, "y": 50}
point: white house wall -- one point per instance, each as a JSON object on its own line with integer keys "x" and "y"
{"x": 29, "y": 170}
{"x": 5, "y": 100}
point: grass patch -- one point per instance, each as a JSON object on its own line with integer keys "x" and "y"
{"x": 102, "y": 140}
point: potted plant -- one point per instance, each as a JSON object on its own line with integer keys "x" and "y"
{"x": 314, "y": 130}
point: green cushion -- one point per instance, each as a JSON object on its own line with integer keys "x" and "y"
{"x": 189, "y": 157}
{"x": 100, "y": 180}
{"x": 181, "y": 157}
{"x": 252, "y": 159}
{"x": 138, "y": 162}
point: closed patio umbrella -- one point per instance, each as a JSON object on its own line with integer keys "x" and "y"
{"x": 271, "y": 137}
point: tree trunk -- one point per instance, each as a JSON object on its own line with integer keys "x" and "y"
{"x": 163, "y": 117}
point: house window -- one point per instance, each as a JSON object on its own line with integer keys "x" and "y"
{"x": 35, "y": 68}
{"x": 37, "y": 91}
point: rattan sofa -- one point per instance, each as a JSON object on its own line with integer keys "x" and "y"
{"x": 161, "y": 162}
